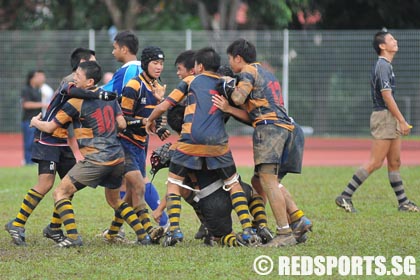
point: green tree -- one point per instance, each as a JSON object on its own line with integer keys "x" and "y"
{"x": 147, "y": 14}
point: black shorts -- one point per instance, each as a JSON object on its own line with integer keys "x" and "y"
{"x": 53, "y": 159}
{"x": 182, "y": 171}
{"x": 217, "y": 208}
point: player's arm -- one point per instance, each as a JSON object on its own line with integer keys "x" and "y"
{"x": 156, "y": 113}
{"x": 72, "y": 91}
{"x": 222, "y": 103}
{"x": 45, "y": 126}
{"x": 122, "y": 124}
{"x": 72, "y": 142}
{"x": 395, "y": 111}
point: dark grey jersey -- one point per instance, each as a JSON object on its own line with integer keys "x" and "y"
{"x": 382, "y": 78}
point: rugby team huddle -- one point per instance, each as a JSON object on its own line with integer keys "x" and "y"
{"x": 112, "y": 125}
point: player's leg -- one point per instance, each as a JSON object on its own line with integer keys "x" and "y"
{"x": 379, "y": 150}
{"x": 299, "y": 223}
{"x": 239, "y": 201}
{"x": 64, "y": 208}
{"x": 126, "y": 212}
{"x": 66, "y": 162}
{"x": 394, "y": 163}
{"x": 176, "y": 177}
{"x": 46, "y": 177}
{"x": 268, "y": 179}
{"x": 189, "y": 198}
{"x": 153, "y": 200}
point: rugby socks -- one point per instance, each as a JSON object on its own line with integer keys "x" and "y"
{"x": 240, "y": 205}
{"x": 127, "y": 213}
{"x": 173, "y": 205}
{"x": 153, "y": 200}
{"x": 257, "y": 209}
{"x": 398, "y": 186}
{"x": 30, "y": 202}
{"x": 64, "y": 208}
{"x": 295, "y": 216}
{"x": 229, "y": 240}
{"x": 55, "y": 224}
{"x": 144, "y": 218}
{"x": 358, "y": 178}
{"x": 116, "y": 224}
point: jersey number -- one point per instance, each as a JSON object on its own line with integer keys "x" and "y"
{"x": 105, "y": 119}
{"x": 276, "y": 92}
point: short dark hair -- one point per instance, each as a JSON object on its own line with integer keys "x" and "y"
{"x": 79, "y": 54}
{"x": 209, "y": 58}
{"x": 128, "y": 39}
{"x": 29, "y": 76}
{"x": 378, "y": 39}
{"x": 92, "y": 70}
{"x": 186, "y": 58}
{"x": 244, "y": 49}
{"x": 176, "y": 117}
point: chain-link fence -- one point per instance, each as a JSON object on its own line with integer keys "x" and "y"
{"x": 328, "y": 71}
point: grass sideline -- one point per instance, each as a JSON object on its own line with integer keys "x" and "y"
{"x": 378, "y": 229}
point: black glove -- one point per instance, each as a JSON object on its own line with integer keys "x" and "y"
{"x": 134, "y": 126}
{"x": 161, "y": 131}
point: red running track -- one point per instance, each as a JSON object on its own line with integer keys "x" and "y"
{"x": 318, "y": 151}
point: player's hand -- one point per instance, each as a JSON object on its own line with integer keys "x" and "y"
{"x": 159, "y": 92}
{"x": 405, "y": 128}
{"x": 221, "y": 102}
{"x": 150, "y": 127}
{"x": 157, "y": 214}
{"x": 163, "y": 133}
{"x": 35, "y": 119}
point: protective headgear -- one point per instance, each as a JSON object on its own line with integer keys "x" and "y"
{"x": 149, "y": 54}
{"x": 160, "y": 158}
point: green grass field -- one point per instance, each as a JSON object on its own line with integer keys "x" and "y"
{"x": 378, "y": 229}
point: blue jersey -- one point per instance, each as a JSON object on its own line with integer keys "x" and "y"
{"x": 120, "y": 78}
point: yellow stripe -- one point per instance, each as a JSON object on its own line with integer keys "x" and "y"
{"x": 203, "y": 150}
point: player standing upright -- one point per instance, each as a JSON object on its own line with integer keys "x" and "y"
{"x": 387, "y": 124}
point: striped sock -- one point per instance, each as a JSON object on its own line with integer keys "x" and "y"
{"x": 173, "y": 204}
{"x": 257, "y": 209}
{"x": 116, "y": 224}
{"x": 358, "y": 178}
{"x": 127, "y": 213}
{"x": 240, "y": 205}
{"x": 398, "y": 186}
{"x": 55, "y": 224}
{"x": 30, "y": 202}
{"x": 295, "y": 216}
{"x": 64, "y": 208}
{"x": 144, "y": 218}
{"x": 229, "y": 240}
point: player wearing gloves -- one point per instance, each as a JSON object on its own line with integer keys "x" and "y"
{"x": 95, "y": 127}
{"x": 54, "y": 154}
{"x": 203, "y": 143}
{"x": 139, "y": 97}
